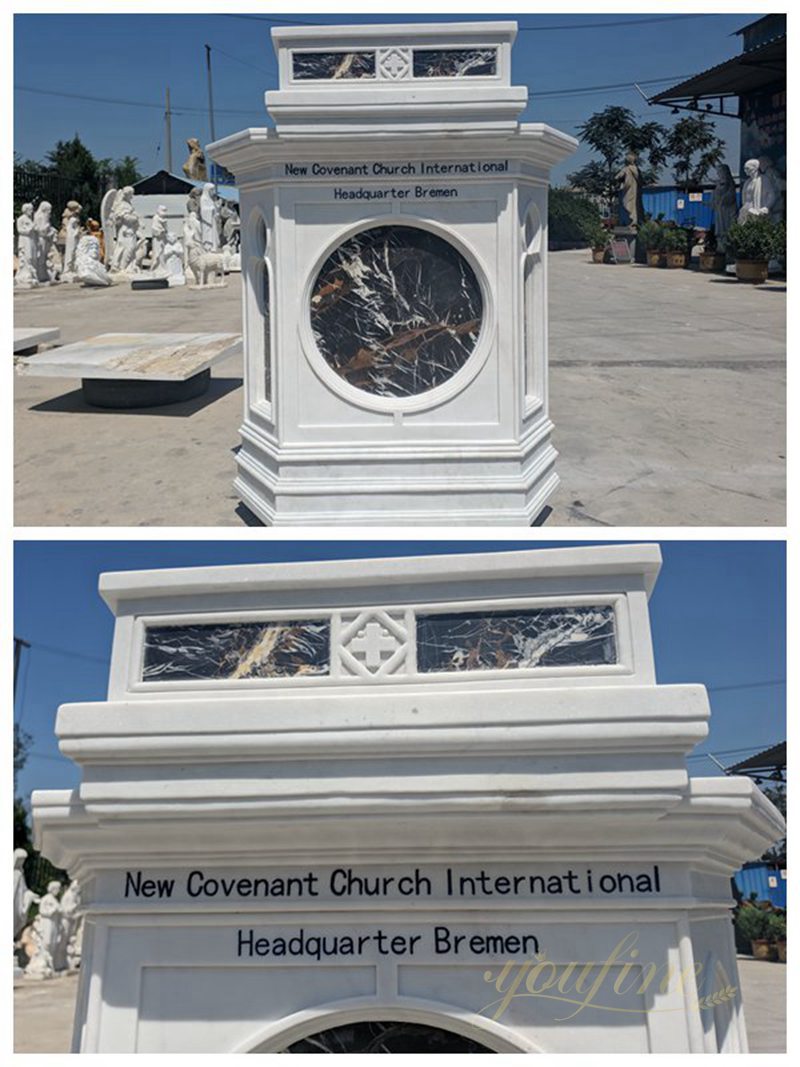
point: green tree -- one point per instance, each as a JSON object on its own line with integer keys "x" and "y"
{"x": 126, "y": 172}
{"x": 777, "y": 794}
{"x": 22, "y": 744}
{"x": 693, "y": 148}
{"x": 612, "y": 133}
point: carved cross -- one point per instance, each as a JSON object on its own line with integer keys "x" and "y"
{"x": 373, "y": 640}
{"x": 394, "y": 64}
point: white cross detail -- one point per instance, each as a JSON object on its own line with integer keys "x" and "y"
{"x": 394, "y": 64}
{"x": 371, "y": 641}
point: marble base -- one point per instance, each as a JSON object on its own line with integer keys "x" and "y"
{"x": 492, "y": 487}
{"x": 28, "y": 338}
{"x": 120, "y": 395}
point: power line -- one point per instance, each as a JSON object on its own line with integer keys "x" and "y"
{"x": 521, "y": 29}
{"x": 131, "y": 103}
{"x": 745, "y": 685}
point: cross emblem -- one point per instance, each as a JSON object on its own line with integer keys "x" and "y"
{"x": 371, "y": 641}
{"x": 394, "y": 64}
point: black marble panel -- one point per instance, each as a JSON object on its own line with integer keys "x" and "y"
{"x": 499, "y": 640}
{"x": 332, "y": 66}
{"x": 267, "y": 311}
{"x": 377, "y": 1037}
{"x": 278, "y": 649}
{"x": 396, "y": 310}
{"x": 454, "y": 62}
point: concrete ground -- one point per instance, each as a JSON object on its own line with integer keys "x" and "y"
{"x": 667, "y": 391}
{"x": 43, "y": 1010}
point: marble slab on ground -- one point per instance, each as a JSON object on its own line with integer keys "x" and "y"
{"x": 29, "y": 336}
{"x": 141, "y": 356}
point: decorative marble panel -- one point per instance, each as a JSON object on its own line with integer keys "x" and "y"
{"x": 501, "y": 640}
{"x": 372, "y": 643}
{"x": 394, "y": 64}
{"x": 231, "y": 650}
{"x": 396, "y": 310}
{"x": 454, "y": 62}
{"x": 332, "y": 66}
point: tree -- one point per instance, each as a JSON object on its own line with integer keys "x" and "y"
{"x": 777, "y": 794}
{"x": 22, "y": 744}
{"x": 612, "y": 133}
{"x": 689, "y": 138}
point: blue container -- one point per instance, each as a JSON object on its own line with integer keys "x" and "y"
{"x": 756, "y": 878}
{"x": 674, "y": 204}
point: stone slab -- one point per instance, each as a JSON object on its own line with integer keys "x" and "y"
{"x": 30, "y": 336}
{"x": 172, "y": 357}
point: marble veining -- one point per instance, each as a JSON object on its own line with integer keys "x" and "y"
{"x": 231, "y": 650}
{"x": 454, "y": 62}
{"x": 396, "y": 310}
{"x": 332, "y": 66}
{"x": 500, "y": 640}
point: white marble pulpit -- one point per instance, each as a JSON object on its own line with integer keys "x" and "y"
{"x": 441, "y": 793}
{"x": 394, "y": 253}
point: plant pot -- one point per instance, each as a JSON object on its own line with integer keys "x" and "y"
{"x": 674, "y": 259}
{"x": 712, "y": 261}
{"x": 598, "y": 255}
{"x": 762, "y": 950}
{"x": 653, "y": 258}
{"x": 780, "y": 948}
{"x": 755, "y": 271}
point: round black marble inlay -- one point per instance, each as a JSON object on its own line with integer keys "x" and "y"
{"x": 396, "y": 310}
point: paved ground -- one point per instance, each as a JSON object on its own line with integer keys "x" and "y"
{"x": 43, "y": 1010}
{"x": 667, "y": 390}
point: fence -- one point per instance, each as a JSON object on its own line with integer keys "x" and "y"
{"x": 32, "y": 187}
{"x": 39, "y": 871}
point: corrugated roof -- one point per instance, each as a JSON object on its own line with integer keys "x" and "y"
{"x": 770, "y": 759}
{"x": 743, "y": 74}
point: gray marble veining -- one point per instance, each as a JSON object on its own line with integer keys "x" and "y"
{"x": 501, "y": 640}
{"x": 396, "y": 310}
{"x": 278, "y": 649}
{"x": 332, "y": 66}
{"x": 454, "y": 62}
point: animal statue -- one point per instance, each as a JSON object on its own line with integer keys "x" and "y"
{"x": 195, "y": 166}
{"x": 205, "y": 265}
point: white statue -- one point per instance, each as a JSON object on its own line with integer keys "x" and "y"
{"x": 44, "y": 235}
{"x": 26, "y": 253}
{"x": 47, "y": 935}
{"x": 23, "y": 897}
{"x": 758, "y": 196}
{"x": 106, "y": 225}
{"x": 73, "y": 925}
{"x": 192, "y": 230}
{"x": 209, "y": 218}
{"x": 125, "y": 224}
{"x": 89, "y": 268}
{"x": 173, "y": 259}
{"x": 724, "y": 204}
{"x": 231, "y": 225}
{"x": 772, "y": 188}
{"x": 71, "y": 223}
{"x": 158, "y": 229}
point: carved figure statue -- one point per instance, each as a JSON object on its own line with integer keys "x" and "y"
{"x": 757, "y": 195}
{"x": 209, "y": 213}
{"x": 724, "y": 204}
{"x": 772, "y": 188}
{"x": 229, "y": 218}
{"x": 106, "y": 207}
{"x": 158, "y": 229}
{"x": 26, "y": 253}
{"x": 23, "y": 897}
{"x": 73, "y": 925}
{"x": 206, "y": 266}
{"x": 195, "y": 166}
{"x": 44, "y": 235}
{"x": 125, "y": 224}
{"x": 89, "y": 268}
{"x": 94, "y": 229}
{"x": 71, "y": 224}
{"x": 192, "y": 230}
{"x": 630, "y": 181}
{"x": 173, "y": 259}
{"x": 47, "y": 935}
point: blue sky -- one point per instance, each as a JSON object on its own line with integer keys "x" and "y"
{"x": 718, "y": 615}
{"x": 134, "y": 57}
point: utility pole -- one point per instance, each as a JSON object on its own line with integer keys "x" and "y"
{"x": 19, "y": 644}
{"x": 210, "y": 96}
{"x": 168, "y": 121}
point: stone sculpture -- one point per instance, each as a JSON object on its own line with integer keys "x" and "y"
{"x": 724, "y": 204}
{"x": 758, "y": 195}
{"x": 195, "y": 166}
{"x": 192, "y": 231}
{"x": 94, "y": 229}
{"x": 44, "y": 235}
{"x": 106, "y": 225}
{"x": 209, "y": 219}
{"x": 229, "y": 218}
{"x": 772, "y": 188}
{"x": 630, "y": 180}
{"x": 26, "y": 254}
{"x": 124, "y": 223}
{"x": 48, "y": 929}
{"x": 89, "y": 267}
{"x": 173, "y": 259}
{"x": 73, "y": 926}
{"x": 71, "y": 224}
{"x": 23, "y": 896}
{"x": 158, "y": 229}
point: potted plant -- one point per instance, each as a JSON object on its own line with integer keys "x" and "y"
{"x": 597, "y": 236}
{"x": 711, "y": 259}
{"x": 649, "y": 233}
{"x": 753, "y": 244}
{"x": 674, "y": 246}
{"x": 776, "y": 931}
{"x": 753, "y": 924}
